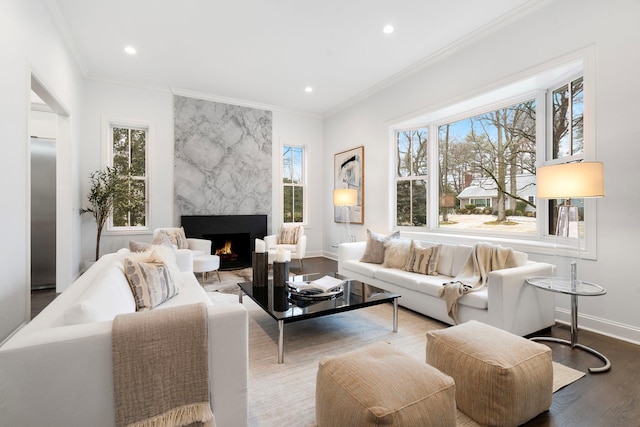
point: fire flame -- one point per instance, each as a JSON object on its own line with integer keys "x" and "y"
{"x": 225, "y": 250}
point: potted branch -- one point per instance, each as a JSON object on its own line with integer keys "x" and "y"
{"x": 107, "y": 188}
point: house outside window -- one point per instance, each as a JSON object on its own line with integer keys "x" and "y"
{"x": 411, "y": 177}
{"x": 128, "y": 155}
{"x": 293, "y": 184}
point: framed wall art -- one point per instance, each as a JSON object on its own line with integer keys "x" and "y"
{"x": 348, "y": 170}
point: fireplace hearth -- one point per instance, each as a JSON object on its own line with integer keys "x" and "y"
{"x": 232, "y": 236}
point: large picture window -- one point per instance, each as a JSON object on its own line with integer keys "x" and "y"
{"x": 293, "y": 184}
{"x": 129, "y": 158}
{"x": 476, "y": 170}
{"x": 487, "y": 162}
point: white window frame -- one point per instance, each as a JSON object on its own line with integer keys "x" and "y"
{"x": 549, "y": 77}
{"x": 304, "y": 185}
{"x": 108, "y": 123}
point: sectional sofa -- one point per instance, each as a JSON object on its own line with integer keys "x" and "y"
{"x": 57, "y": 370}
{"x": 507, "y": 302}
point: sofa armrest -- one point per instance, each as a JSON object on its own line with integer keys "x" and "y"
{"x": 229, "y": 363}
{"x": 351, "y": 251}
{"x": 517, "y": 307}
{"x": 59, "y": 367}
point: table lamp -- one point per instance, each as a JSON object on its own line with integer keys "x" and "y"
{"x": 345, "y": 198}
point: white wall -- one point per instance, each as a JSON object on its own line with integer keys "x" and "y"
{"x": 156, "y": 108}
{"x": 554, "y": 31}
{"x": 104, "y": 101}
{"x": 31, "y": 44}
{"x": 305, "y": 130}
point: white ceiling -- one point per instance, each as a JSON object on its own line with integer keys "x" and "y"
{"x": 268, "y": 51}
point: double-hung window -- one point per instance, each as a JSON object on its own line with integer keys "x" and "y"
{"x": 566, "y": 138}
{"x": 128, "y": 152}
{"x": 293, "y": 184}
{"x": 411, "y": 177}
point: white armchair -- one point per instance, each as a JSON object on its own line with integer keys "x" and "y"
{"x": 196, "y": 247}
{"x": 290, "y": 238}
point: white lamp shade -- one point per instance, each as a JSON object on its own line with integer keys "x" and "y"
{"x": 570, "y": 180}
{"x": 345, "y": 197}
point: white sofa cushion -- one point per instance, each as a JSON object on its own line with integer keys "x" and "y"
{"x": 429, "y": 285}
{"x": 103, "y": 300}
{"x": 366, "y": 268}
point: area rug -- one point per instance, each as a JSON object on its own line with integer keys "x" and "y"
{"x": 228, "y": 281}
{"x": 284, "y": 395}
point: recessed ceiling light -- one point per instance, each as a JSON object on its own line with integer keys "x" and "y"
{"x": 308, "y": 89}
{"x": 130, "y": 50}
{"x": 388, "y": 29}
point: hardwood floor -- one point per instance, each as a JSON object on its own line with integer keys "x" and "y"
{"x": 606, "y": 399}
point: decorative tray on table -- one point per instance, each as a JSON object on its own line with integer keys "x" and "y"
{"x": 325, "y": 288}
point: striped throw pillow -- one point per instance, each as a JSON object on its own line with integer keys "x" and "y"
{"x": 150, "y": 282}
{"x": 289, "y": 235}
{"x": 423, "y": 260}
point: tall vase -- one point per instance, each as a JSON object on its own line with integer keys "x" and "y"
{"x": 260, "y": 267}
{"x": 280, "y": 292}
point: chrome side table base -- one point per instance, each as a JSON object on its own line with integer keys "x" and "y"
{"x": 607, "y": 364}
{"x": 576, "y": 288}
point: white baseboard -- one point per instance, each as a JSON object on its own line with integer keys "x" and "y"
{"x": 600, "y": 326}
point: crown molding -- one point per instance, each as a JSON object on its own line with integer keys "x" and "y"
{"x": 239, "y": 102}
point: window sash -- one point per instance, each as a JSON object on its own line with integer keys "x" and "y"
{"x": 294, "y": 194}
{"x": 132, "y": 134}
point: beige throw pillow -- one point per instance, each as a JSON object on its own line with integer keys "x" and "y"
{"x": 396, "y": 253}
{"x": 423, "y": 260}
{"x": 177, "y": 237}
{"x": 289, "y": 235}
{"x": 150, "y": 282}
{"x": 374, "y": 251}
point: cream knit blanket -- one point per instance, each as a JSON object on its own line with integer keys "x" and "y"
{"x": 483, "y": 259}
{"x": 161, "y": 367}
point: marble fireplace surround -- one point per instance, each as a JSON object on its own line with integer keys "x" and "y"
{"x": 222, "y": 159}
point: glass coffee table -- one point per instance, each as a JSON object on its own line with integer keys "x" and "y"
{"x": 278, "y": 303}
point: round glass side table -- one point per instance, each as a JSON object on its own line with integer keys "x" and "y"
{"x": 575, "y": 288}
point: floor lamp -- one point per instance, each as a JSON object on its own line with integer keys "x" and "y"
{"x": 566, "y": 181}
{"x": 345, "y": 198}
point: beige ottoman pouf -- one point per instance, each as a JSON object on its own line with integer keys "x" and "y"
{"x": 379, "y": 385}
{"x": 501, "y": 379}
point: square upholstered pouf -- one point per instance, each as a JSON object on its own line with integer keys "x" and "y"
{"x": 501, "y": 379}
{"x": 379, "y": 385}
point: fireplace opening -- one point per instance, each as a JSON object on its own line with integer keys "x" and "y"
{"x": 234, "y": 249}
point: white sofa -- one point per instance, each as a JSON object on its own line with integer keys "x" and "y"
{"x": 57, "y": 369}
{"x": 507, "y": 302}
